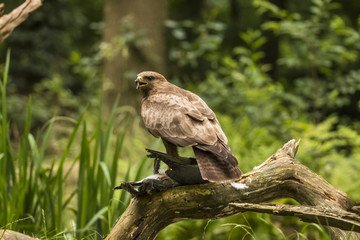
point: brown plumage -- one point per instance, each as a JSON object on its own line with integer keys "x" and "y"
{"x": 181, "y": 118}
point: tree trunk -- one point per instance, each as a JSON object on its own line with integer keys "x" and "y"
{"x": 134, "y": 37}
{"x": 280, "y": 176}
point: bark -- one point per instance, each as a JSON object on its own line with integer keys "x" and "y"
{"x": 280, "y": 176}
{"x": 12, "y": 235}
{"x": 9, "y": 22}
{"x": 327, "y": 217}
{"x": 135, "y": 35}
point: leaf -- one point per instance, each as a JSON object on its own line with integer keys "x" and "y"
{"x": 106, "y": 172}
{"x": 97, "y": 216}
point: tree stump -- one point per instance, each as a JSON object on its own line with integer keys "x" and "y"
{"x": 280, "y": 176}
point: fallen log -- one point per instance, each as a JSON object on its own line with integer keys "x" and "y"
{"x": 280, "y": 176}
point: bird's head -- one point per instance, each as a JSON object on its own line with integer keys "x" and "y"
{"x": 147, "y": 80}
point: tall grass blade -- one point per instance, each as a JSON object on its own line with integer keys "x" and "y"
{"x": 106, "y": 173}
{"x": 59, "y": 174}
{"x": 96, "y": 217}
{"x": 4, "y": 146}
{"x": 84, "y": 181}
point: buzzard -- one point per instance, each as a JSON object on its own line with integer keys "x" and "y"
{"x": 181, "y": 118}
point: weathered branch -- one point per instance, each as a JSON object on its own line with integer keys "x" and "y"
{"x": 280, "y": 176}
{"x": 325, "y": 216}
{"x": 12, "y": 235}
{"x": 9, "y": 22}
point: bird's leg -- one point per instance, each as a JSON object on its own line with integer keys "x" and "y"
{"x": 171, "y": 149}
{"x": 156, "y": 166}
{"x": 183, "y": 170}
{"x": 170, "y": 160}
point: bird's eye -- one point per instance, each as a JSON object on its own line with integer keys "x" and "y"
{"x": 150, "y": 78}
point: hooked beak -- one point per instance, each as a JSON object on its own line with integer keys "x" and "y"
{"x": 139, "y": 81}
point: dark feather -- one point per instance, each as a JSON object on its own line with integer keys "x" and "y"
{"x": 214, "y": 169}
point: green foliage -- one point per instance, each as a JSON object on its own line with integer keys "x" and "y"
{"x": 35, "y": 195}
{"x": 243, "y": 226}
{"x": 193, "y": 46}
{"x": 270, "y": 71}
{"x": 55, "y": 54}
{"x": 244, "y": 93}
{"x": 319, "y": 52}
{"x": 332, "y": 151}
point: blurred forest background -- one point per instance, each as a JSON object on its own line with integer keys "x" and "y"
{"x": 270, "y": 70}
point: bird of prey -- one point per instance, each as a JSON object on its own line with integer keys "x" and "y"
{"x": 181, "y": 118}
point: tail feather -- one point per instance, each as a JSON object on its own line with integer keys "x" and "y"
{"x": 216, "y": 163}
{"x": 221, "y": 150}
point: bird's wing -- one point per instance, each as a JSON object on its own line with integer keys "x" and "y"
{"x": 205, "y": 111}
{"x": 180, "y": 121}
{"x": 186, "y": 120}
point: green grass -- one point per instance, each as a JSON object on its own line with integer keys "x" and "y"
{"x": 34, "y": 189}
